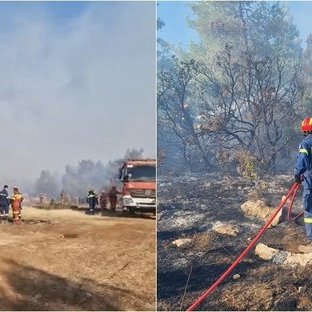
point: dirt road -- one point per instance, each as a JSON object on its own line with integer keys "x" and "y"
{"x": 65, "y": 260}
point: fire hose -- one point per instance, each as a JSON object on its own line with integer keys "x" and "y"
{"x": 289, "y": 218}
{"x": 292, "y": 192}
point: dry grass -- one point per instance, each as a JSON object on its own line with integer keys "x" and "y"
{"x": 203, "y": 241}
{"x": 77, "y": 262}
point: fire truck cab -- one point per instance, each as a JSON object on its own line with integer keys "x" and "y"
{"x": 138, "y": 177}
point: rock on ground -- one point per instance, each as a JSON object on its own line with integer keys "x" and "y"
{"x": 265, "y": 252}
{"x": 298, "y": 259}
{"x": 289, "y": 258}
{"x": 236, "y": 276}
{"x": 260, "y": 210}
{"x": 227, "y": 229}
{"x": 181, "y": 241}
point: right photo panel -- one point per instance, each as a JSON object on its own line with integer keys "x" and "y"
{"x": 234, "y": 95}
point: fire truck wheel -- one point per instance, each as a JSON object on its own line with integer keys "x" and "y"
{"x": 131, "y": 211}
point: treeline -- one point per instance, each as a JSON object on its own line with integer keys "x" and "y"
{"x": 234, "y": 101}
{"x": 78, "y": 179}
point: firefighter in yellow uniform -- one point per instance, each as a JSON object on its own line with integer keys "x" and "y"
{"x": 16, "y": 204}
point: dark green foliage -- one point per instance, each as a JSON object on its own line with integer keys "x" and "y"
{"x": 242, "y": 90}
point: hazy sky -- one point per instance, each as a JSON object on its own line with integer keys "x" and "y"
{"x": 77, "y": 81}
{"x": 176, "y": 30}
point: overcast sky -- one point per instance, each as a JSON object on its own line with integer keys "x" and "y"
{"x": 77, "y": 81}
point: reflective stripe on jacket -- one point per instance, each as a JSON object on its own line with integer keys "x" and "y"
{"x": 304, "y": 161}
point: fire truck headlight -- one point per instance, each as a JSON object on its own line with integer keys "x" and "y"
{"x": 128, "y": 201}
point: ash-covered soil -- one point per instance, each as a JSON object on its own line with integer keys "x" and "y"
{"x": 66, "y": 260}
{"x": 191, "y": 207}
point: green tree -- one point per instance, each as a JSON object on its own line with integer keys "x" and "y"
{"x": 174, "y": 90}
{"x": 244, "y": 88}
{"x": 304, "y": 107}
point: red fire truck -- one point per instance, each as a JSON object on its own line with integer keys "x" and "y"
{"x": 138, "y": 177}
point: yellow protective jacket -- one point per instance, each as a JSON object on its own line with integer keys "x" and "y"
{"x": 16, "y": 200}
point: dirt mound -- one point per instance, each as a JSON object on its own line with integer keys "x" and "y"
{"x": 56, "y": 206}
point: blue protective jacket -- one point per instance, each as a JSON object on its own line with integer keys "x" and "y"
{"x": 304, "y": 161}
{"x": 92, "y": 200}
{"x": 4, "y": 198}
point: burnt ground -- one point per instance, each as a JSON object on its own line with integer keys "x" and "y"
{"x": 188, "y": 208}
{"x": 66, "y": 260}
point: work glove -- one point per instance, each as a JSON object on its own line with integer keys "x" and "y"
{"x": 298, "y": 178}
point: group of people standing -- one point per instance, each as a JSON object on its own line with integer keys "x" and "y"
{"x": 15, "y": 200}
{"x": 105, "y": 198}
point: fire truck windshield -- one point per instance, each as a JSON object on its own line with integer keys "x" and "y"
{"x": 141, "y": 173}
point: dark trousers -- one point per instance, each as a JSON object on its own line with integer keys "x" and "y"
{"x": 4, "y": 209}
{"x": 307, "y": 206}
{"x": 113, "y": 202}
{"x": 91, "y": 207}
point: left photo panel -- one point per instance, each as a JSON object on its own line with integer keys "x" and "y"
{"x": 78, "y": 174}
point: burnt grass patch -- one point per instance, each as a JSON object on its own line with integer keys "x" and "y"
{"x": 189, "y": 207}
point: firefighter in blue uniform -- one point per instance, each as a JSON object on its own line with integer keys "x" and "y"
{"x": 4, "y": 203}
{"x": 303, "y": 173}
{"x": 92, "y": 200}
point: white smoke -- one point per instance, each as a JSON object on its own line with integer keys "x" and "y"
{"x": 75, "y": 88}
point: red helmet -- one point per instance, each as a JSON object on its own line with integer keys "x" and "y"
{"x": 306, "y": 125}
